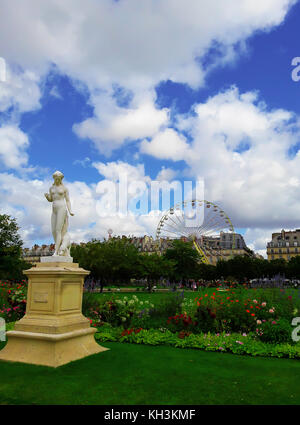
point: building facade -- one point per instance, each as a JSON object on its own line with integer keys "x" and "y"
{"x": 285, "y": 244}
{"x": 224, "y": 246}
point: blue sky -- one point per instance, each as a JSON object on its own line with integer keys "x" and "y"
{"x": 158, "y": 93}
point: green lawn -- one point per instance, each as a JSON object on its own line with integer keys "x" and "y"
{"x": 139, "y": 374}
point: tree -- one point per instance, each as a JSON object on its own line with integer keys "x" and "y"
{"x": 278, "y": 266}
{"x": 154, "y": 266}
{"x": 109, "y": 261}
{"x": 185, "y": 257}
{"x": 239, "y": 267}
{"x": 293, "y": 268}
{"x": 11, "y": 261}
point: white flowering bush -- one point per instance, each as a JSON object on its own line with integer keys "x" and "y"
{"x": 124, "y": 311}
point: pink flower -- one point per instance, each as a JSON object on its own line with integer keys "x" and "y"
{"x": 255, "y": 301}
{"x": 258, "y": 322}
{"x": 263, "y": 304}
{"x": 273, "y": 323}
{"x": 239, "y": 342}
{"x": 271, "y": 310}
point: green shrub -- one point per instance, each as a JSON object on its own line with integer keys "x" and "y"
{"x": 233, "y": 343}
{"x": 89, "y": 302}
{"x": 180, "y": 322}
{"x": 275, "y": 331}
{"x": 205, "y": 319}
{"x": 168, "y": 306}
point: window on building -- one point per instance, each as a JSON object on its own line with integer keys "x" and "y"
{"x": 279, "y": 251}
{"x": 295, "y": 243}
{"x": 272, "y": 257}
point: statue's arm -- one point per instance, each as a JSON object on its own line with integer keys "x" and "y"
{"x": 48, "y": 196}
{"x": 68, "y": 202}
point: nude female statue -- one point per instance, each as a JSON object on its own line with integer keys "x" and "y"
{"x": 59, "y": 195}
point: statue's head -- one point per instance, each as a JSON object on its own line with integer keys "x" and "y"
{"x": 58, "y": 176}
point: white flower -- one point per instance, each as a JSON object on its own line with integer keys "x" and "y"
{"x": 123, "y": 319}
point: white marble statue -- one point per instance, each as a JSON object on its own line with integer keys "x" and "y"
{"x": 59, "y": 196}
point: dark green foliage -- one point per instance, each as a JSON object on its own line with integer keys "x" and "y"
{"x": 205, "y": 319}
{"x": 275, "y": 332}
{"x": 11, "y": 262}
{"x": 89, "y": 303}
{"x": 185, "y": 257}
{"x": 110, "y": 261}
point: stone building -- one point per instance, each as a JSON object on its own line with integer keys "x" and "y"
{"x": 223, "y": 246}
{"x": 285, "y": 244}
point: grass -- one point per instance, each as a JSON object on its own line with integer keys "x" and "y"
{"x": 132, "y": 374}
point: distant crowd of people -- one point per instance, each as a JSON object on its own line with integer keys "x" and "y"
{"x": 97, "y": 285}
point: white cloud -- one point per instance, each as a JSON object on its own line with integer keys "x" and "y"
{"x": 19, "y": 90}
{"x": 238, "y": 145}
{"x": 114, "y": 125}
{"x": 115, "y": 170}
{"x": 167, "y": 174}
{"x": 13, "y": 143}
{"x": 54, "y": 92}
{"x": 167, "y": 144}
{"x": 83, "y": 162}
{"x": 132, "y": 44}
{"x": 241, "y": 148}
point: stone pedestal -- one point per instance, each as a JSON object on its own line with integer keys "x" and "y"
{"x": 53, "y": 331}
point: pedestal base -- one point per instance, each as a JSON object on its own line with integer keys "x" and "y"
{"x": 53, "y": 331}
{"x": 50, "y": 349}
{"x": 56, "y": 259}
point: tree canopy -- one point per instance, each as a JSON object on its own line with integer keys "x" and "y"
{"x": 11, "y": 261}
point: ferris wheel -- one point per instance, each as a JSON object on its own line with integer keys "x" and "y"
{"x": 203, "y": 223}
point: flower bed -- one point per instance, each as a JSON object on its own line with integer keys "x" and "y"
{"x": 235, "y": 343}
{"x": 216, "y": 319}
{"x": 265, "y": 313}
{"x": 13, "y": 300}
